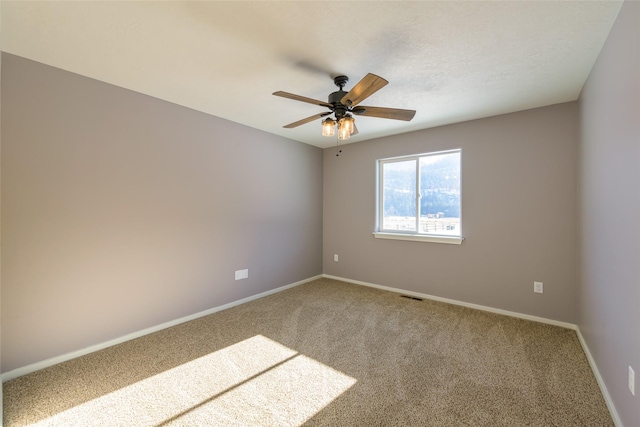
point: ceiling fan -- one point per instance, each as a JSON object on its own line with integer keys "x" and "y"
{"x": 343, "y": 105}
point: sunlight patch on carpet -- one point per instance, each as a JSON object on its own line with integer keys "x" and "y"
{"x": 254, "y": 382}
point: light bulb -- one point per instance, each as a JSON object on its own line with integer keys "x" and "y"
{"x": 328, "y": 127}
{"x": 343, "y": 131}
{"x": 348, "y": 122}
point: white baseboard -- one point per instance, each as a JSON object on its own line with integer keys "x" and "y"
{"x": 72, "y": 355}
{"x": 460, "y": 303}
{"x": 603, "y": 387}
{"x": 6, "y": 376}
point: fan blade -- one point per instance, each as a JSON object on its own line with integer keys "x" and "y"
{"x": 366, "y": 87}
{"x": 302, "y": 99}
{"x": 307, "y": 120}
{"x": 385, "y": 113}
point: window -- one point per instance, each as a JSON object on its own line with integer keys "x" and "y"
{"x": 419, "y": 198}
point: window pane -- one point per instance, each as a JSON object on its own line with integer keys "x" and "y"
{"x": 440, "y": 194}
{"x": 399, "y": 195}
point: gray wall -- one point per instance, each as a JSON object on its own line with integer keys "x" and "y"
{"x": 121, "y": 212}
{"x": 609, "y": 293}
{"x": 518, "y": 210}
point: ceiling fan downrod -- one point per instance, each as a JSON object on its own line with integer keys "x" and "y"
{"x": 335, "y": 98}
{"x": 340, "y": 81}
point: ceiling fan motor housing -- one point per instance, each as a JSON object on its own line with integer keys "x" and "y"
{"x": 338, "y": 107}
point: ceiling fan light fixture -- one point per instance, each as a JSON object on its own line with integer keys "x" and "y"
{"x": 348, "y": 122}
{"x": 328, "y": 127}
{"x": 343, "y": 131}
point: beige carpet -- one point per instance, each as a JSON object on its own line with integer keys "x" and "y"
{"x": 324, "y": 353}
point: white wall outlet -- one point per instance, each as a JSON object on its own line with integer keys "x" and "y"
{"x": 632, "y": 381}
{"x": 538, "y": 287}
{"x": 242, "y": 274}
{"x": 335, "y": 257}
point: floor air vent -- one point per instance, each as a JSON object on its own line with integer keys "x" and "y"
{"x": 410, "y": 297}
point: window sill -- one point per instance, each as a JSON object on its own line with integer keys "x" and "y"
{"x": 451, "y": 240}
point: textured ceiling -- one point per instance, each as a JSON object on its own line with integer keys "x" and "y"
{"x": 450, "y": 61}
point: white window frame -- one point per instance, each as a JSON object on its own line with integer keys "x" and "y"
{"x": 380, "y": 233}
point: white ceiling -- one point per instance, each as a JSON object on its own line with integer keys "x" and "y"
{"x": 451, "y": 61}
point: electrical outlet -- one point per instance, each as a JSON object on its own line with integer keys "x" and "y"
{"x": 242, "y": 274}
{"x": 335, "y": 257}
{"x": 632, "y": 381}
{"x": 538, "y": 287}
